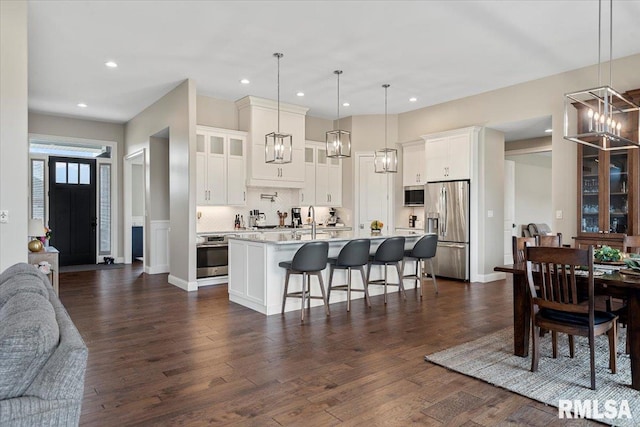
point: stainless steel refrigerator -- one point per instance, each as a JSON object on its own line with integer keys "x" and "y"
{"x": 446, "y": 208}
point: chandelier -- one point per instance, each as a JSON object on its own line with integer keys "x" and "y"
{"x": 604, "y": 118}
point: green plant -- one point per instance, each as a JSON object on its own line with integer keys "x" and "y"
{"x": 607, "y": 254}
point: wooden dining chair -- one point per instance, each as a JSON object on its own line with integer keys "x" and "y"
{"x": 631, "y": 244}
{"x": 551, "y": 275}
{"x": 550, "y": 240}
{"x": 518, "y": 245}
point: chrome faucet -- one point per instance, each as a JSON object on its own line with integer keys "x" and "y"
{"x": 313, "y": 222}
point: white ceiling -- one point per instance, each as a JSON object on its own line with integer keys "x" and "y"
{"x": 434, "y": 50}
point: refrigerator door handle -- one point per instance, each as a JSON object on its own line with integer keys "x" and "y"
{"x": 441, "y": 211}
{"x": 446, "y": 211}
{"x": 452, "y": 245}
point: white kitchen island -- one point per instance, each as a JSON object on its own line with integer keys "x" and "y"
{"x": 257, "y": 282}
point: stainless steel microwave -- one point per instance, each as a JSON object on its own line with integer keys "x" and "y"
{"x": 414, "y": 196}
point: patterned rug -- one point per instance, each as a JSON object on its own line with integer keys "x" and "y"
{"x": 491, "y": 359}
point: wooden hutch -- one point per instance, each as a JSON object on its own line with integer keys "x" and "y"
{"x": 608, "y": 189}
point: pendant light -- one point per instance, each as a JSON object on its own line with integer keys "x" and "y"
{"x": 278, "y": 147}
{"x": 338, "y": 141}
{"x": 386, "y": 159}
{"x": 609, "y": 120}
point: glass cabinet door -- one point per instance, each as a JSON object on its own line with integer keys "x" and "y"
{"x": 618, "y": 191}
{"x": 589, "y": 216}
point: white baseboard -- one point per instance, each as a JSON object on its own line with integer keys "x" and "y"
{"x": 183, "y": 284}
{"x": 156, "y": 269}
{"x": 492, "y": 277}
{"x": 119, "y": 260}
{"x": 209, "y": 281}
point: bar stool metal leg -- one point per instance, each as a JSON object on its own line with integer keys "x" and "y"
{"x": 366, "y": 289}
{"x": 400, "y": 269}
{"x": 348, "y": 288}
{"x": 433, "y": 274}
{"x": 286, "y": 290}
{"x": 331, "y": 269}
{"x": 324, "y": 295}
{"x": 302, "y": 295}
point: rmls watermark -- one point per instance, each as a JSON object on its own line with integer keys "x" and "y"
{"x": 594, "y": 409}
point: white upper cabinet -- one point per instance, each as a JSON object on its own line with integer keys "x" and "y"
{"x": 448, "y": 154}
{"x": 307, "y": 195}
{"x": 259, "y": 117}
{"x": 220, "y": 167}
{"x": 323, "y": 177}
{"x": 413, "y": 164}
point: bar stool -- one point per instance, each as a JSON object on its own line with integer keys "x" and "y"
{"x": 424, "y": 249}
{"x": 355, "y": 254}
{"x": 311, "y": 258}
{"x": 391, "y": 251}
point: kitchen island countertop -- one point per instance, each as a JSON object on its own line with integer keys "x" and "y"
{"x": 333, "y": 235}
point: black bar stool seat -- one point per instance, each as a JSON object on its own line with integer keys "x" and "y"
{"x": 390, "y": 252}
{"x": 355, "y": 254}
{"x": 424, "y": 249}
{"x": 310, "y": 259}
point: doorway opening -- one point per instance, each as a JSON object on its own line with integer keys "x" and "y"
{"x": 72, "y": 191}
{"x": 528, "y": 191}
{"x": 134, "y": 207}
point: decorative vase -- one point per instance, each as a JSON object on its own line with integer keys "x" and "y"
{"x": 36, "y": 245}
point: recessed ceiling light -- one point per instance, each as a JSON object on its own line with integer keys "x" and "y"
{"x": 245, "y": 81}
{"x": 82, "y": 105}
{"x": 548, "y": 130}
{"x": 345, "y": 104}
{"x": 300, "y": 94}
{"x": 111, "y": 64}
{"x": 413, "y": 99}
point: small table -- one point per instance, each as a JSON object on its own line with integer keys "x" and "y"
{"x": 49, "y": 254}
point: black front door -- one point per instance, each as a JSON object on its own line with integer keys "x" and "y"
{"x": 72, "y": 217}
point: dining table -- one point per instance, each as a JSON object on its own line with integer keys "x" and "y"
{"x": 610, "y": 282}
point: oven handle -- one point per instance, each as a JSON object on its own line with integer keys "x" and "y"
{"x": 215, "y": 245}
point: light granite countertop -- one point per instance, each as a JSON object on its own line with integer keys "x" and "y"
{"x": 290, "y": 237}
{"x": 244, "y": 231}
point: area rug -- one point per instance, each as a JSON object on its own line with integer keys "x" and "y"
{"x": 491, "y": 359}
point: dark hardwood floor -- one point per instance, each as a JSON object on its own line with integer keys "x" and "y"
{"x": 161, "y": 356}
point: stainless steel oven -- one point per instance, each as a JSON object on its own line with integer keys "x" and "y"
{"x": 213, "y": 256}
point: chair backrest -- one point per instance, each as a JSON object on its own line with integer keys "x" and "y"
{"x": 631, "y": 244}
{"x": 425, "y": 247}
{"x": 552, "y": 241}
{"x": 551, "y": 275}
{"x": 311, "y": 256}
{"x": 518, "y": 244}
{"x": 391, "y": 250}
{"x": 354, "y": 253}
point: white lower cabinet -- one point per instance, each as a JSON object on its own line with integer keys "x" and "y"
{"x": 220, "y": 167}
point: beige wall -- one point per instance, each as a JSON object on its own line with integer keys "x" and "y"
{"x": 491, "y": 201}
{"x": 316, "y": 128}
{"x": 523, "y": 101}
{"x": 216, "y": 112}
{"x": 533, "y": 189}
{"x": 159, "y": 209}
{"x": 176, "y": 111}
{"x": 14, "y": 178}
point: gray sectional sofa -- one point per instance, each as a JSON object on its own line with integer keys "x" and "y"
{"x": 42, "y": 355}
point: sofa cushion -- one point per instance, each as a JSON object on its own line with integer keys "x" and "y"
{"x": 29, "y": 334}
{"x": 22, "y": 278}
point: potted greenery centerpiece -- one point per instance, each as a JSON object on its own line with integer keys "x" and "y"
{"x": 376, "y": 226}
